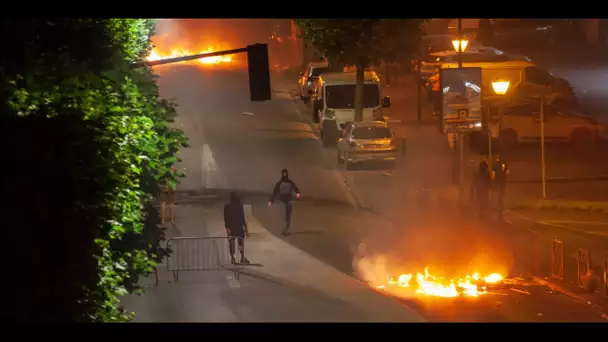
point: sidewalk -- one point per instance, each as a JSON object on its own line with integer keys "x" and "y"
{"x": 310, "y": 290}
{"x": 532, "y": 239}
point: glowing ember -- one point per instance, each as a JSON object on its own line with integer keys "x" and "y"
{"x": 155, "y": 55}
{"x": 427, "y": 284}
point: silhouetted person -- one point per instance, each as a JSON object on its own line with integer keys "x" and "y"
{"x": 435, "y": 94}
{"x": 236, "y": 226}
{"x": 499, "y": 176}
{"x": 284, "y": 190}
{"x": 480, "y": 189}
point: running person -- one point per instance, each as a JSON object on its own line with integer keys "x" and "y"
{"x": 284, "y": 190}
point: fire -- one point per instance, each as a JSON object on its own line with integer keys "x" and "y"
{"x": 155, "y": 55}
{"x": 373, "y": 270}
{"x": 427, "y": 284}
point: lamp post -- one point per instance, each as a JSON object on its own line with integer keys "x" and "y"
{"x": 500, "y": 88}
{"x": 460, "y": 44}
{"x": 542, "y": 144}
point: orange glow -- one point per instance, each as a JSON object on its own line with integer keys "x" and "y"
{"x": 156, "y": 55}
{"x": 373, "y": 271}
{"x": 429, "y": 285}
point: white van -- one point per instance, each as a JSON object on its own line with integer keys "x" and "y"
{"x": 333, "y": 102}
{"x": 527, "y": 80}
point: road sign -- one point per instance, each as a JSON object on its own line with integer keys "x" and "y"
{"x": 460, "y": 91}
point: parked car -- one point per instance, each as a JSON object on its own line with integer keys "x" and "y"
{"x": 521, "y": 124}
{"x": 308, "y": 78}
{"x": 366, "y": 141}
{"x": 333, "y": 102}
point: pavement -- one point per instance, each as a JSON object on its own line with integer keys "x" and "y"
{"x": 242, "y": 146}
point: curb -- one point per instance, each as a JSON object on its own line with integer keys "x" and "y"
{"x": 568, "y": 293}
{"x": 557, "y": 205}
{"x": 561, "y": 179}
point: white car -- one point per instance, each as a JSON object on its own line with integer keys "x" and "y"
{"x": 521, "y": 124}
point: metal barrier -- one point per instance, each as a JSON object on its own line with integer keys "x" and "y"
{"x": 606, "y": 277}
{"x": 584, "y": 266}
{"x": 557, "y": 259}
{"x": 202, "y": 254}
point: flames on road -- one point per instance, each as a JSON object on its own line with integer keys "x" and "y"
{"x": 425, "y": 283}
{"x": 156, "y": 55}
{"x": 374, "y": 272}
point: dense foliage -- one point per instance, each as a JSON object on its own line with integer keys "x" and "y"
{"x": 362, "y": 42}
{"x": 87, "y": 139}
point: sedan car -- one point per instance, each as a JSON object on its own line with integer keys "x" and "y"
{"x": 367, "y": 141}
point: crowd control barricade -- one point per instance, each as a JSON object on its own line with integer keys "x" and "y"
{"x": 557, "y": 259}
{"x": 606, "y": 277}
{"x": 584, "y": 266}
{"x": 202, "y": 254}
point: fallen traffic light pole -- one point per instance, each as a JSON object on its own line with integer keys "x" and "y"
{"x": 257, "y": 64}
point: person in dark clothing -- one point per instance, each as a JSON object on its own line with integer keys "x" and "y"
{"x": 480, "y": 189}
{"x": 500, "y": 173}
{"x": 236, "y": 226}
{"x": 283, "y": 191}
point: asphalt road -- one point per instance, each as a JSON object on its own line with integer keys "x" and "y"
{"x": 236, "y": 144}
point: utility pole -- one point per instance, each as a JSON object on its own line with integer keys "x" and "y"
{"x": 542, "y": 145}
{"x": 460, "y": 135}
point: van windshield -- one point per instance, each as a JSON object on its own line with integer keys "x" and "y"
{"x": 343, "y": 96}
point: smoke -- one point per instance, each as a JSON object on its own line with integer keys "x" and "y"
{"x": 448, "y": 248}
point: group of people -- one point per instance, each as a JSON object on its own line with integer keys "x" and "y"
{"x": 487, "y": 182}
{"x": 234, "y": 212}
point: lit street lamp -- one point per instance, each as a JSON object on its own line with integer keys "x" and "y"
{"x": 460, "y": 44}
{"x": 500, "y": 88}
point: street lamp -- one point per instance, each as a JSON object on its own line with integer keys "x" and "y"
{"x": 460, "y": 44}
{"x": 500, "y": 87}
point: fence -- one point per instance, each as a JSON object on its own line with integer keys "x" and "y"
{"x": 203, "y": 254}
{"x": 563, "y": 259}
{"x": 557, "y": 259}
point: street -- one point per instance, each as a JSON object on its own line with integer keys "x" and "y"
{"x": 239, "y": 145}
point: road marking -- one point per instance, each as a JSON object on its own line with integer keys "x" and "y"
{"x": 211, "y": 176}
{"x": 520, "y": 291}
{"x": 580, "y": 222}
{"x": 233, "y": 283}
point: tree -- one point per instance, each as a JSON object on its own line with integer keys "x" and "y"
{"x": 362, "y": 42}
{"x": 88, "y": 141}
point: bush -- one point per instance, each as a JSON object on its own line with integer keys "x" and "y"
{"x": 98, "y": 143}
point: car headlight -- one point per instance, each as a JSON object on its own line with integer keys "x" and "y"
{"x": 329, "y": 113}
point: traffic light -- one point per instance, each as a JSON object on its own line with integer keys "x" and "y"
{"x": 259, "y": 72}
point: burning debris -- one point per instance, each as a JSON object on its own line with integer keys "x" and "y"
{"x": 430, "y": 285}
{"x": 374, "y": 272}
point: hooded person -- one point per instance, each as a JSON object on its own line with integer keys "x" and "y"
{"x": 236, "y": 226}
{"x": 284, "y": 190}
